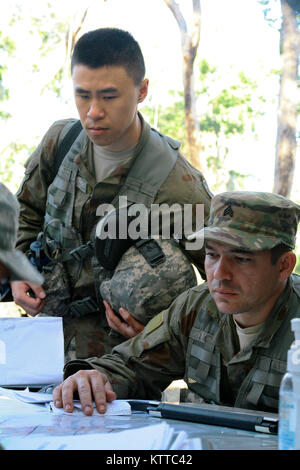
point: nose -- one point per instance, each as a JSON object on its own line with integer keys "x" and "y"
{"x": 96, "y": 110}
{"x": 222, "y": 270}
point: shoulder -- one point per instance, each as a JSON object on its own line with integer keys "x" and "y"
{"x": 183, "y": 311}
{"x": 47, "y": 148}
{"x": 58, "y": 129}
{"x": 186, "y": 184}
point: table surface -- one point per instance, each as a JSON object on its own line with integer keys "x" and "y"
{"x": 23, "y": 420}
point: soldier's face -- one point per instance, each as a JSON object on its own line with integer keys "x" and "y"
{"x": 245, "y": 284}
{"x": 107, "y": 99}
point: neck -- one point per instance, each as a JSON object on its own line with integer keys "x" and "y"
{"x": 132, "y": 137}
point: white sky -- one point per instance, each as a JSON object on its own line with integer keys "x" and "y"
{"x": 233, "y": 32}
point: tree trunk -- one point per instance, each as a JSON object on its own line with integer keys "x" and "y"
{"x": 287, "y": 114}
{"x": 189, "y": 45}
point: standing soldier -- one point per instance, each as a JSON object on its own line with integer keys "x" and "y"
{"x": 116, "y": 153}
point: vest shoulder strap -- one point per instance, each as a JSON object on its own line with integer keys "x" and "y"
{"x": 65, "y": 145}
{"x": 150, "y": 169}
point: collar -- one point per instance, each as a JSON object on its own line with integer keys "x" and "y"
{"x": 227, "y": 339}
{"x": 85, "y": 159}
{"x": 276, "y": 317}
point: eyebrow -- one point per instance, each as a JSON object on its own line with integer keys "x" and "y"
{"x": 102, "y": 90}
{"x": 232, "y": 250}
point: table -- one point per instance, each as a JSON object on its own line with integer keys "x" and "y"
{"x": 27, "y": 421}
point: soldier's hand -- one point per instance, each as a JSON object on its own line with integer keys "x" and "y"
{"x": 128, "y": 328}
{"x": 32, "y": 304}
{"x": 90, "y": 384}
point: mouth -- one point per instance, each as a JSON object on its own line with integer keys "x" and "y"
{"x": 224, "y": 293}
{"x": 97, "y": 130}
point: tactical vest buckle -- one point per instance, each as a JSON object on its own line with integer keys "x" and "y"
{"x": 151, "y": 251}
{"x": 82, "y": 252}
{"x": 80, "y": 308}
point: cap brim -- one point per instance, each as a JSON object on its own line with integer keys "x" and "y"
{"x": 20, "y": 267}
{"x": 236, "y": 238}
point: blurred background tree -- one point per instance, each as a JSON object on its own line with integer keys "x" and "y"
{"x": 224, "y": 113}
{"x": 288, "y": 102}
{"x": 190, "y": 38}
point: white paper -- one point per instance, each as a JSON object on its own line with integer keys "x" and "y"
{"x": 33, "y": 397}
{"x": 115, "y": 408}
{"x": 159, "y": 436}
{"x": 31, "y": 351}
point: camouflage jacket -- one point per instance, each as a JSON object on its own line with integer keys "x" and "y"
{"x": 184, "y": 185}
{"x": 194, "y": 341}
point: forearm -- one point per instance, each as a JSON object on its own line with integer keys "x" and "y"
{"x": 121, "y": 377}
{"x": 145, "y": 365}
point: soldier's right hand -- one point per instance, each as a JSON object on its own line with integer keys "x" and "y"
{"x": 31, "y": 304}
{"x": 90, "y": 384}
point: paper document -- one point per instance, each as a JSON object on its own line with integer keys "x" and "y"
{"x": 33, "y": 397}
{"x": 115, "y": 408}
{"x": 31, "y": 351}
{"x": 159, "y": 436}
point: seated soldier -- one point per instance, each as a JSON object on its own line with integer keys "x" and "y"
{"x": 228, "y": 338}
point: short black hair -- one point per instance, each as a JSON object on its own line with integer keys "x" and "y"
{"x": 277, "y": 251}
{"x": 110, "y": 46}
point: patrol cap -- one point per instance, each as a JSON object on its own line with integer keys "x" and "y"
{"x": 252, "y": 221}
{"x": 21, "y": 269}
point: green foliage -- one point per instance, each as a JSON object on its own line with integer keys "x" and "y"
{"x": 7, "y": 48}
{"x": 169, "y": 120}
{"x": 12, "y": 159}
{"x": 6, "y": 44}
{"x": 49, "y": 34}
{"x": 50, "y": 29}
{"x": 226, "y": 111}
{"x": 55, "y": 82}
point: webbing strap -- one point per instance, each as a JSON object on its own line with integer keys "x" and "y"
{"x": 151, "y": 251}
{"x": 66, "y": 144}
{"x": 149, "y": 170}
{"x": 80, "y": 308}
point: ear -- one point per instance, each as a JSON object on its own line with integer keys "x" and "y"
{"x": 143, "y": 90}
{"x": 286, "y": 264}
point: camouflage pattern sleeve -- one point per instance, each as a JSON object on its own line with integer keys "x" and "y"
{"x": 32, "y": 193}
{"x": 186, "y": 185}
{"x": 145, "y": 365}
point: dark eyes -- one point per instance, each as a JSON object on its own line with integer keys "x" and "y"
{"x": 86, "y": 97}
{"x": 238, "y": 258}
{"x": 243, "y": 259}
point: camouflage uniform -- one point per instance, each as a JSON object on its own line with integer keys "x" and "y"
{"x": 184, "y": 185}
{"x": 14, "y": 260}
{"x": 193, "y": 340}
